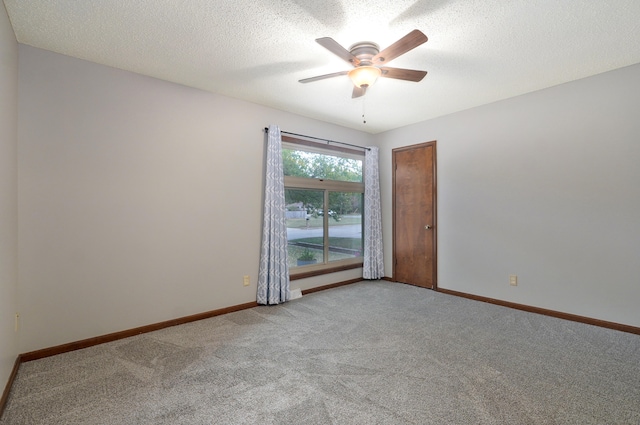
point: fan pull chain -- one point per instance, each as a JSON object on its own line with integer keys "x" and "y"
{"x": 364, "y": 120}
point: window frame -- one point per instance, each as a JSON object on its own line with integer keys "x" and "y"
{"x": 327, "y": 186}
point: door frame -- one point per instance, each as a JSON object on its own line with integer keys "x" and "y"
{"x": 434, "y": 206}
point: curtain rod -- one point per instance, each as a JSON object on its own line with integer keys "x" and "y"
{"x": 266, "y": 130}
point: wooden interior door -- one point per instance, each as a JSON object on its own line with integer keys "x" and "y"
{"x": 414, "y": 215}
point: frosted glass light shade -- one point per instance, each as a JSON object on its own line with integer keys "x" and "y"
{"x": 364, "y": 76}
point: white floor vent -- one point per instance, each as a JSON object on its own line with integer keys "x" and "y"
{"x": 295, "y": 294}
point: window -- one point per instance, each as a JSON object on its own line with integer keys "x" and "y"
{"x": 324, "y": 193}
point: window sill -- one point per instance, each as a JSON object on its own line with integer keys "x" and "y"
{"x": 326, "y": 269}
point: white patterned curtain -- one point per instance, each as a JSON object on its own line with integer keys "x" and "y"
{"x": 373, "y": 267}
{"x": 273, "y": 277}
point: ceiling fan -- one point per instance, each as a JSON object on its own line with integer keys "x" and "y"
{"x": 368, "y": 61}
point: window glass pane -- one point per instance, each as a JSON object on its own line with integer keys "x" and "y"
{"x": 305, "y": 226}
{"x": 315, "y": 165}
{"x": 345, "y": 225}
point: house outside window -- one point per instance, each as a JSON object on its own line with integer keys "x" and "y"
{"x": 324, "y": 194}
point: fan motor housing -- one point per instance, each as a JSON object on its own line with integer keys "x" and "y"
{"x": 365, "y": 51}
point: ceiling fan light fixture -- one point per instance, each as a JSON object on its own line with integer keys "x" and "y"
{"x": 364, "y": 76}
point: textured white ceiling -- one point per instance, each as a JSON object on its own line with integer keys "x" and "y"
{"x": 479, "y": 51}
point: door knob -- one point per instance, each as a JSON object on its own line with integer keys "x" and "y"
{"x": 428, "y": 226}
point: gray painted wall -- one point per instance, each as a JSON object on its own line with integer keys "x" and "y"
{"x": 545, "y": 186}
{"x": 8, "y": 196}
{"x": 140, "y": 200}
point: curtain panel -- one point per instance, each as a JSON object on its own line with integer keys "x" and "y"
{"x": 373, "y": 264}
{"x": 273, "y": 276}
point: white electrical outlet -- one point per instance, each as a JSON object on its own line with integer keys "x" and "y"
{"x": 246, "y": 281}
{"x": 513, "y": 280}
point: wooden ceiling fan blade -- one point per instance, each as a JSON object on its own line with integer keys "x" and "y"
{"x": 358, "y": 92}
{"x": 323, "y": 77}
{"x": 402, "y": 46}
{"x": 331, "y": 45}
{"x": 403, "y": 74}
